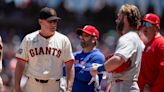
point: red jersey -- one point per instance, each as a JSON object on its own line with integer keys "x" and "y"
{"x": 152, "y": 66}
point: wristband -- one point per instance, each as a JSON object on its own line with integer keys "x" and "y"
{"x": 101, "y": 68}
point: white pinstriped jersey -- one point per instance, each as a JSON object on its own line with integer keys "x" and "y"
{"x": 45, "y": 57}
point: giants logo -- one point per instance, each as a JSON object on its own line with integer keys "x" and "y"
{"x": 45, "y": 51}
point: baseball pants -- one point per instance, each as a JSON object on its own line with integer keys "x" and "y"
{"x": 34, "y": 85}
{"x": 124, "y": 86}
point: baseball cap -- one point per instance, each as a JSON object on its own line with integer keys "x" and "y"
{"x": 152, "y": 18}
{"x": 48, "y": 14}
{"x": 89, "y": 29}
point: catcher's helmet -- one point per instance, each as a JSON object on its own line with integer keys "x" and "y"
{"x": 89, "y": 30}
{"x": 152, "y": 18}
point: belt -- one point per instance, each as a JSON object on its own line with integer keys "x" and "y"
{"x": 44, "y": 81}
{"x": 41, "y": 81}
{"x": 118, "y": 80}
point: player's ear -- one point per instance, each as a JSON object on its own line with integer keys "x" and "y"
{"x": 93, "y": 41}
{"x": 95, "y": 38}
{"x": 40, "y": 21}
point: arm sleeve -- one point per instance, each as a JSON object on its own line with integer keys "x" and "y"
{"x": 125, "y": 48}
{"x": 84, "y": 74}
{"x": 22, "y": 52}
{"x": 67, "y": 55}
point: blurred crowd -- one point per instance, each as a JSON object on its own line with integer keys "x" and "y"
{"x": 19, "y": 17}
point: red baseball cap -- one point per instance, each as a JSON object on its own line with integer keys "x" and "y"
{"x": 152, "y": 18}
{"x": 89, "y": 29}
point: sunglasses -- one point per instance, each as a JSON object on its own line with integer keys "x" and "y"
{"x": 146, "y": 24}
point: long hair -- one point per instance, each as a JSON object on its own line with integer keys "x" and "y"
{"x": 132, "y": 13}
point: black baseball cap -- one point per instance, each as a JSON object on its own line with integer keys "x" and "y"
{"x": 48, "y": 14}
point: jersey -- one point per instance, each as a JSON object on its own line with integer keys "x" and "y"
{"x": 129, "y": 47}
{"x": 152, "y": 66}
{"x": 45, "y": 57}
{"x": 82, "y": 69}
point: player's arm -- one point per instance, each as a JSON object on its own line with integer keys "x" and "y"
{"x": 22, "y": 57}
{"x": 113, "y": 63}
{"x": 69, "y": 74}
{"x": 18, "y": 74}
{"x": 110, "y": 65}
{"x": 124, "y": 50}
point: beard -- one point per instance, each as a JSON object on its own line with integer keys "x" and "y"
{"x": 85, "y": 44}
{"x": 120, "y": 26}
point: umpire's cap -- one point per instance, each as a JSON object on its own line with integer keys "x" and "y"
{"x": 48, "y": 14}
{"x": 89, "y": 29}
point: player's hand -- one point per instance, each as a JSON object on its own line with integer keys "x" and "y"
{"x": 68, "y": 90}
{"x": 93, "y": 70}
{"x": 76, "y": 62}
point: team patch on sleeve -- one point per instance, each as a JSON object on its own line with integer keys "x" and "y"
{"x": 20, "y": 51}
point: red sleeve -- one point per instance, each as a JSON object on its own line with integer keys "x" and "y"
{"x": 72, "y": 60}
{"x": 20, "y": 59}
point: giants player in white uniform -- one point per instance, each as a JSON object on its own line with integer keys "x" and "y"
{"x": 42, "y": 54}
{"x": 125, "y": 63}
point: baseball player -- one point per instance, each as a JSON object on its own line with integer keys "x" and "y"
{"x": 151, "y": 76}
{"x": 1, "y": 53}
{"x": 125, "y": 63}
{"x": 41, "y": 56}
{"x": 89, "y": 55}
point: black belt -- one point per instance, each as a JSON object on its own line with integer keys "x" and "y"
{"x": 119, "y": 80}
{"x": 43, "y": 81}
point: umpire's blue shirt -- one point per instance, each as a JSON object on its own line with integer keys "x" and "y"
{"x": 82, "y": 74}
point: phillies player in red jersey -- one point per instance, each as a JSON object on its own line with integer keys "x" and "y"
{"x": 151, "y": 77}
